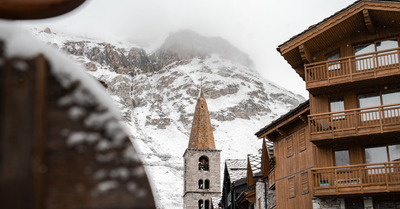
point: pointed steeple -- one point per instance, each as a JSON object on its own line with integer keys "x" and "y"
{"x": 201, "y": 136}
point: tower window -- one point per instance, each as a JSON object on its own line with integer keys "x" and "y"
{"x": 207, "y": 184}
{"x": 201, "y": 205}
{"x": 201, "y": 185}
{"x": 207, "y": 204}
{"x": 203, "y": 163}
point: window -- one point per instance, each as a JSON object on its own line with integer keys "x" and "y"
{"x": 289, "y": 146}
{"x": 302, "y": 140}
{"x": 342, "y": 157}
{"x": 203, "y": 163}
{"x": 201, "y": 204}
{"x": 382, "y": 154}
{"x": 388, "y": 204}
{"x": 292, "y": 192}
{"x": 207, "y": 184}
{"x": 304, "y": 182}
{"x": 207, "y": 204}
{"x": 378, "y": 99}
{"x": 337, "y": 105}
{"x": 376, "y": 155}
{"x": 354, "y": 203}
{"x": 201, "y": 185}
{"x": 367, "y": 61}
{"x": 335, "y": 65}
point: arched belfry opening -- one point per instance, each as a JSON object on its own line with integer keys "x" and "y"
{"x": 204, "y": 163}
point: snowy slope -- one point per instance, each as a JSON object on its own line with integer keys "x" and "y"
{"x": 158, "y": 104}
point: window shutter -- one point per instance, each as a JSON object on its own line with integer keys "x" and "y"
{"x": 289, "y": 146}
{"x": 302, "y": 140}
{"x": 304, "y": 182}
{"x": 292, "y": 192}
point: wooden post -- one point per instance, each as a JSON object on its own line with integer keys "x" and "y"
{"x": 387, "y": 179}
{"x": 22, "y": 96}
{"x": 39, "y": 167}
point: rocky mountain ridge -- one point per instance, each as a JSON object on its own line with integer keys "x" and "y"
{"x": 157, "y": 93}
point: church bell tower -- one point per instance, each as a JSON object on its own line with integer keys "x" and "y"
{"x": 201, "y": 162}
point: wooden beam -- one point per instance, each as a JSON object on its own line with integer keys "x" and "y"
{"x": 302, "y": 118}
{"x": 368, "y": 22}
{"x": 36, "y": 9}
{"x": 282, "y": 133}
{"x": 305, "y": 54}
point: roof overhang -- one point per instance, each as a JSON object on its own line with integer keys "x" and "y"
{"x": 362, "y": 16}
{"x": 36, "y": 9}
{"x": 277, "y": 128}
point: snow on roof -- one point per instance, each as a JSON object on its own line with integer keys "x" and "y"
{"x": 255, "y": 162}
{"x": 105, "y": 133}
{"x": 67, "y": 72}
{"x": 237, "y": 168}
{"x": 270, "y": 147}
{"x": 215, "y": 201}
{"x": 17, "y": 41}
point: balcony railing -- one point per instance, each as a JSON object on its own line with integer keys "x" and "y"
{"x": 356, "y": 179}
{"x": 352, "y": 68}
{"x": 362, "y": 121}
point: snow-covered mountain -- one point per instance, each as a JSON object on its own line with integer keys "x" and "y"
{"x": 156, "y": 94}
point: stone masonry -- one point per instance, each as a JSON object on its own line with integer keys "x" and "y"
{"x": 192, "y": 175}
{"x": 332, "y": 203}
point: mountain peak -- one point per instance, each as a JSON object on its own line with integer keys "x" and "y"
{"x": 187, "y": 44}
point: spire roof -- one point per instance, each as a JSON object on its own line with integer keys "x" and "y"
{"x": 201, "y": 136}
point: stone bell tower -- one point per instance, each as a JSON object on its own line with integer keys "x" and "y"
{"x": 201, "y": 162}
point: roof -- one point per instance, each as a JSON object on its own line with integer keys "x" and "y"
{"x": 201, "y": 135}
{"x": 255, "y": 162}
{"x": 292, "y": 112}
{"x": 237, "y": 168}
{"x": 270, "y": 147}
{"x": 215, "y": 201}
{"x": 330, "y": 17}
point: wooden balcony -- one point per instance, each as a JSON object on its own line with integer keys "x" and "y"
{"x": 355, "y": 122}
{"x": 271, "y": 179}
{"x": 356, "y": 179}
{"x": 322, "y": 76}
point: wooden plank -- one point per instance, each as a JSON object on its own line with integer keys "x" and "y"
{"x": 17, "y": 129}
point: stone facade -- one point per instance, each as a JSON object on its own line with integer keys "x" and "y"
{"x": 260, "y": 196}
{"x": 332, "y": 203}
{"x": 192, "y": 175}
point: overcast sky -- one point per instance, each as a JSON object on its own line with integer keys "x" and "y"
{"x": 256, "y": 27}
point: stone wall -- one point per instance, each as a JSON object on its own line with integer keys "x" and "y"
{"x": 192, "y": 175}
{"x": 260, "y": 196}
{"x": 332, "y": 203}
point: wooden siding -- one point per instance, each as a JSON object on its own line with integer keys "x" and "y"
{"x": 292, "y": 167}
{"x": 355, "y": 122}
{"x": 289, "y": 193}
{"x": 356, "y": 179}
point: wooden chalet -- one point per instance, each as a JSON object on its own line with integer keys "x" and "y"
{"x": 61, "y": 144}
{"x": 292, "y": 158}
{"x": 342, "y": 150}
